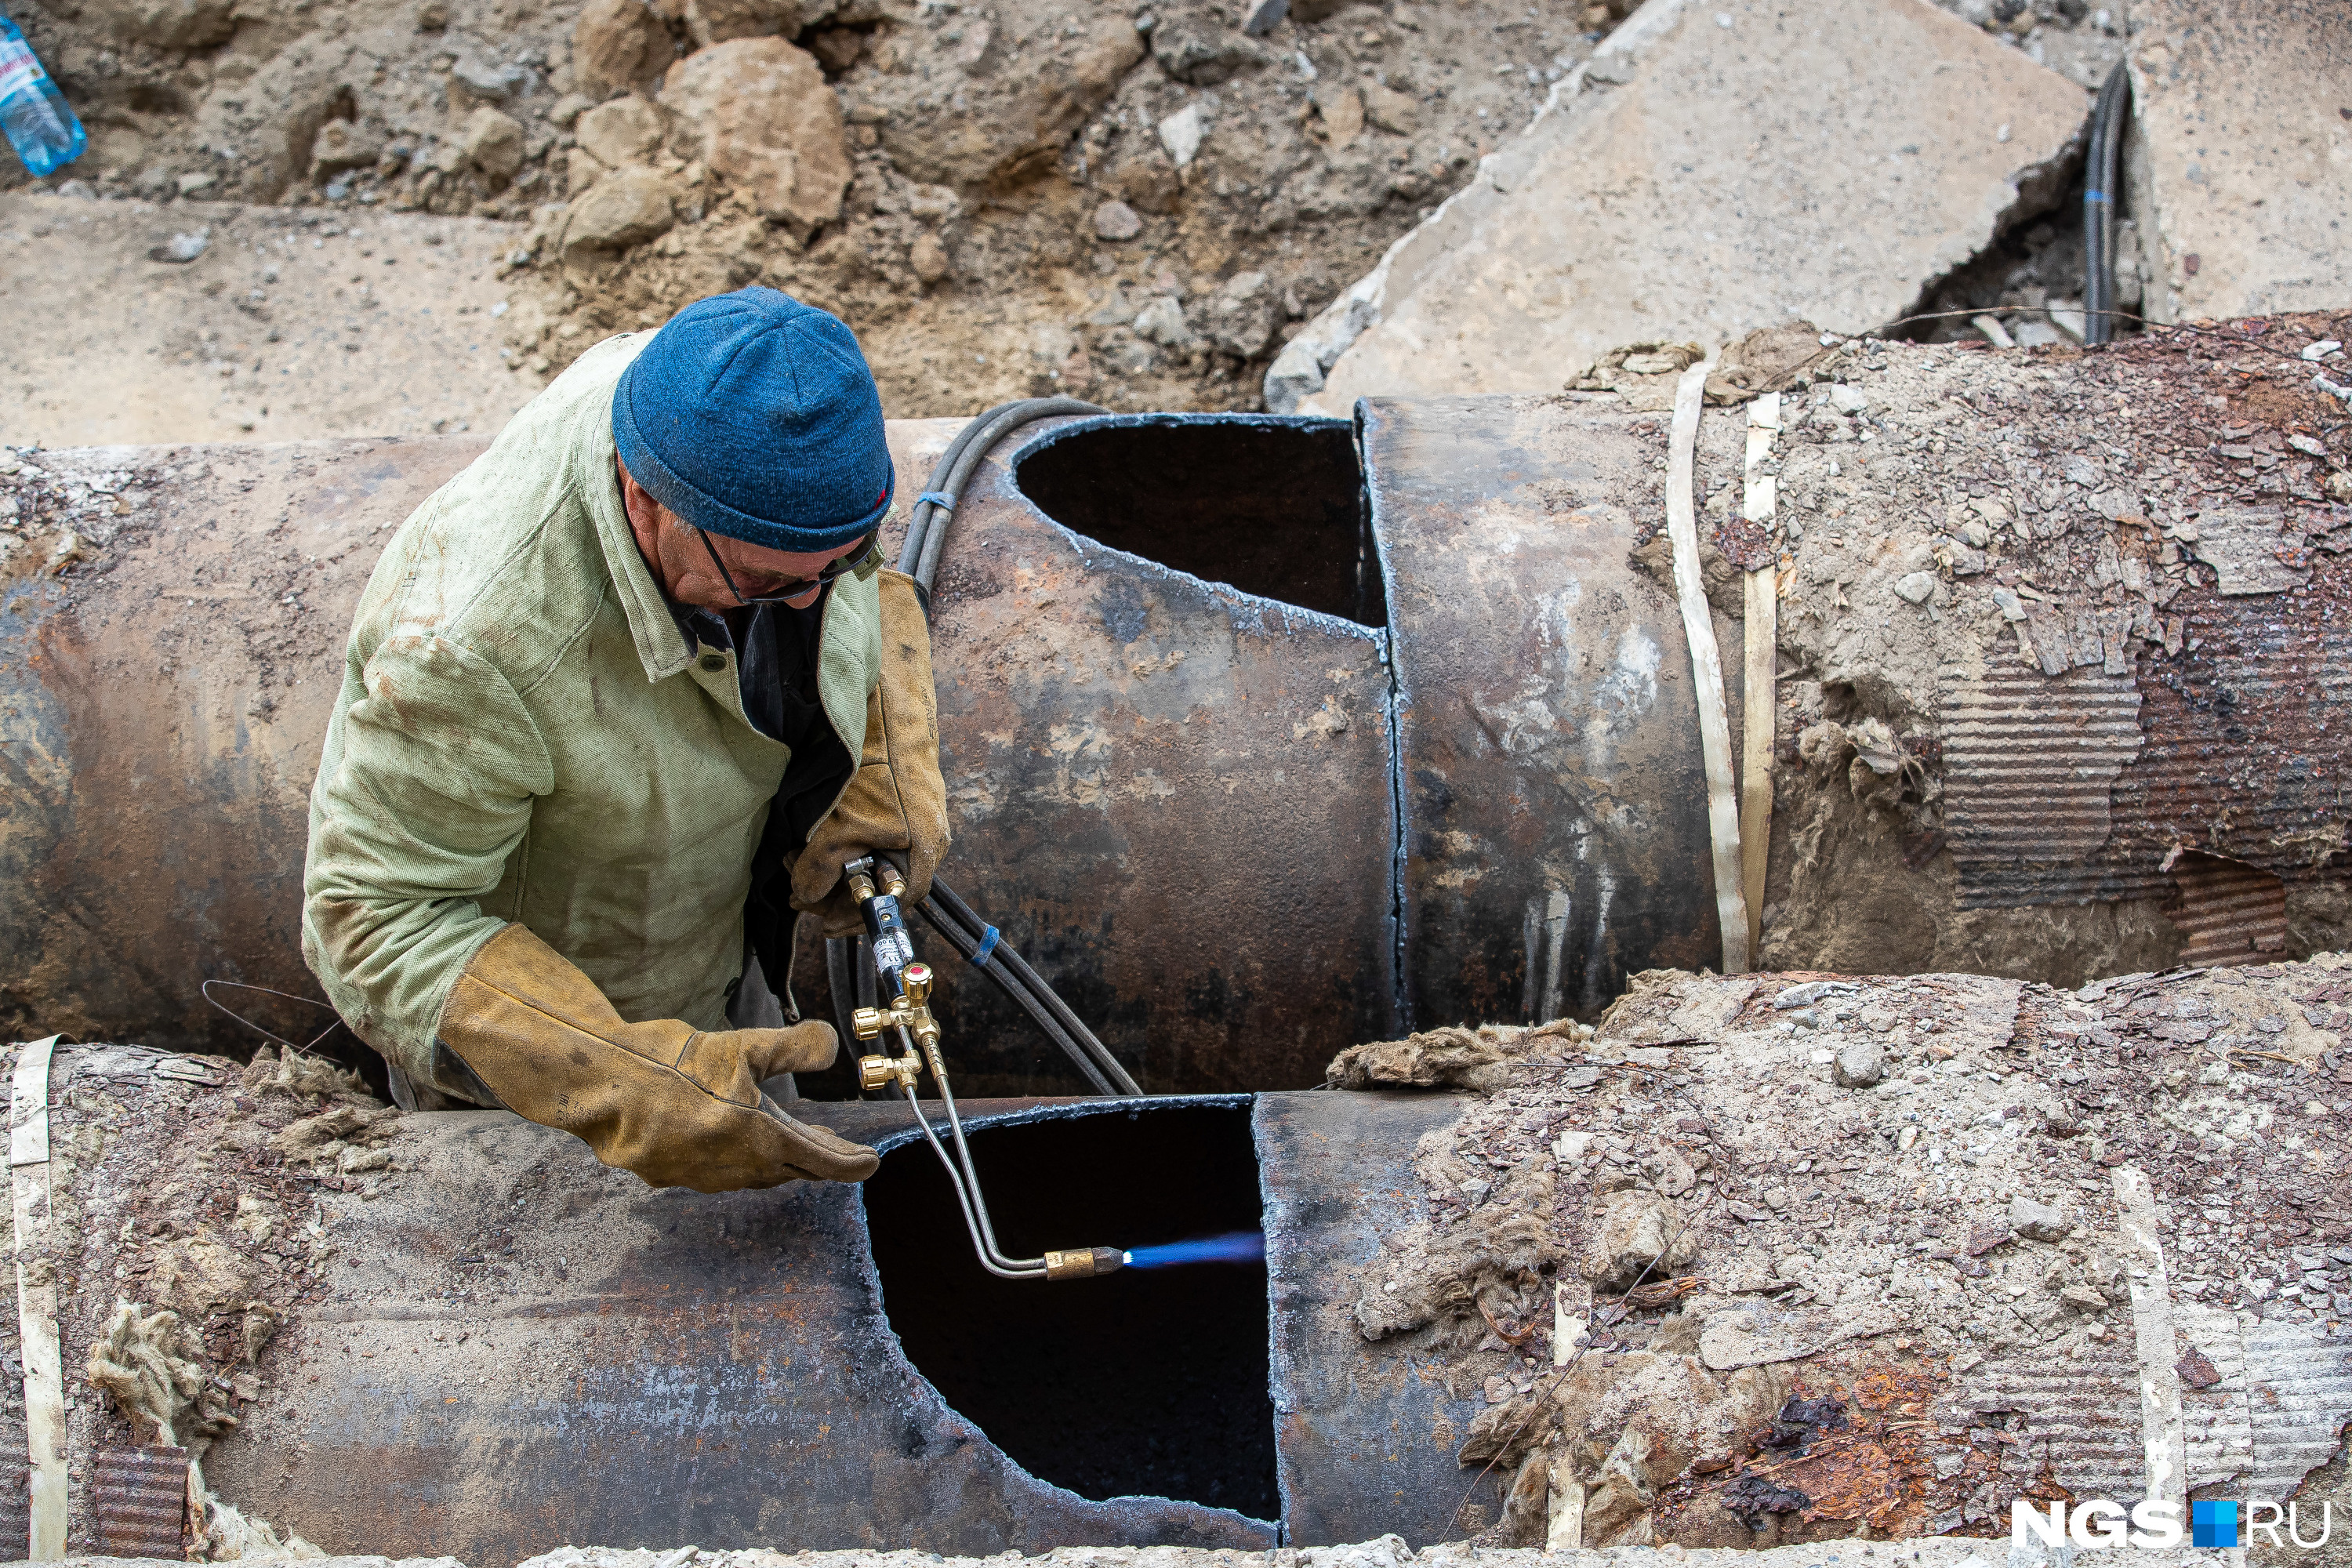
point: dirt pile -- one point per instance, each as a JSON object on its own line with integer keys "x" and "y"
{"x": 1788, "y": 1258}
{"x": 188, "y": 1231}
{"x": 1137, "y": 204}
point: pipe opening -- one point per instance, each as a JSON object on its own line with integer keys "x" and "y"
{"x": 1272, "y": 507}
{"x": 1148, "y": 1382}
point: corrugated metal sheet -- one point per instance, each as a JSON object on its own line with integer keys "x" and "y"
{"x": 2214, "y": 1418}
{"x": 139, "y": 1501}
{"x": 2278, "y": 667}
{"x": 2279, "y": 1411}
{"x": 2079, "y": 1417}
{"x": 2298, "y": 1398}
{"x": 2030, "y": 766}
{"x": 2232, "y": 913}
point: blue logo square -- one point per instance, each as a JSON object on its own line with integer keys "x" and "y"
{"x": 2213, "y": 1524}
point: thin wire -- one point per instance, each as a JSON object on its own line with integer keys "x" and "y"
{"x": 307, "y": 1001}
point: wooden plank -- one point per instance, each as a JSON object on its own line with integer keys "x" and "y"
{"x": 37, "y": 1340}
{"x": 1761, "y": 505}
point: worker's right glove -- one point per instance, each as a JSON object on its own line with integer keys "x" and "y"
{"x": 681, "y": 1107}
{"x": 896, "y": 802}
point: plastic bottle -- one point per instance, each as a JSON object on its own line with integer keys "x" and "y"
{"x": 33, "y": 111}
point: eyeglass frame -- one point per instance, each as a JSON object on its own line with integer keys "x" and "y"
{"x": 826, "y": 575}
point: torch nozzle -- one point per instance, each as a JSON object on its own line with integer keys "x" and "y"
{"x": 1083, "y": 1263}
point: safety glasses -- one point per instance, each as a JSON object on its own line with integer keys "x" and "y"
{"x": 798, "y": 585}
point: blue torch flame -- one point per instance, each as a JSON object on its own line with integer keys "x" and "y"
{"x": 1237, "y": 1246}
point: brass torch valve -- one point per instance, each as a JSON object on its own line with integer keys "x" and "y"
{"x": 910, "y": 1012}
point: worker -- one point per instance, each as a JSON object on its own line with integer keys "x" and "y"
{"x": 620, "y": 702}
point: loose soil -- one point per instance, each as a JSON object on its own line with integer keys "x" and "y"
{"x": 969, "y": 250}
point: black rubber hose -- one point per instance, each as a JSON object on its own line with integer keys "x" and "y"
{"x": 2102, "y": 167}
{"x": 919, "y": 556}
{"x": 967, "y": 944}
{"x": 927, "y": 523}
{"x": 1020, "y": 973}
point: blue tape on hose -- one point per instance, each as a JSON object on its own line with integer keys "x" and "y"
{"x": 940, "y": 498}
{"x": 987, "y": 946}
{"x": 2094, "y": 196}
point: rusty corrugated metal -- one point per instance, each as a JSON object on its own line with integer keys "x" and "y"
{"x": 2071, "y": 1419}
{"x": 2232, "y": 913}
{"x": 2030, "y": 762}
{"x": 139, "y": 1501}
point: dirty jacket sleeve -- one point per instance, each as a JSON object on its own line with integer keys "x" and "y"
{"x": 424, "y": 789}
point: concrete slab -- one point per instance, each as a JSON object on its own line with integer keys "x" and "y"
{"x": 2239, "y": 155}
{"x": 1714, "y": 168}
{"x": 285, "y": 323}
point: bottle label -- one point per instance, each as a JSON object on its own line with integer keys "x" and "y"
{"x": 18, "y": 68}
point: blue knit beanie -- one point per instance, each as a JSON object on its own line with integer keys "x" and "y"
{"x": 753, "y": 416}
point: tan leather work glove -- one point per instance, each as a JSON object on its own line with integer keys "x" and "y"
{"x": 679, "y": 1106}
{"x": 896, "y": 802}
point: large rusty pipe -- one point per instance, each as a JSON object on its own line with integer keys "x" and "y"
{"x": 1267, "y": 736}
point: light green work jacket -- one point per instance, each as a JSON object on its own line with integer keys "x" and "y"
{"x": 524, "y": 734}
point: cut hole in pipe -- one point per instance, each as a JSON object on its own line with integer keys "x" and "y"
{"x": 1272, "y": 506}
{"x": 1148, "y": 1382}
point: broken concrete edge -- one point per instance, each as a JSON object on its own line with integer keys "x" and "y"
{"x": 1300, "y": 380}
{"x": 1297, "y": 373}
{"x": 1387, "y": 1552}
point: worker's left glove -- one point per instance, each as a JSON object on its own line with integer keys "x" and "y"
{"x": 897, "y": 803}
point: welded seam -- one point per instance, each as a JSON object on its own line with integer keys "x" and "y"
{"x": 1400, "y": 1002}
{"x": 1400, "y": 994}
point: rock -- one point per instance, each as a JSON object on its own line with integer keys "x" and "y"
{"x": 624, "y": 131}
{"x": 1849, "y": 399}
{"x": 1180, "y": 133}
{"x": 181, "y": 25}
{"x": 566, "y": 111}
{"x": 1239, "y": 319}
{"x": 1633, "y": 1232}
{"x": 181, "y": 248}
{"x": 1915, "y": 587}
{"x": 1790, "y": 997}
{"x": 473, "y": 80}
{"x": 2259, "y": 231}
{"x": 1197, "y": 49}
{"x": 1002, "y": 127}
{"x": 1162, "y": 322}
{"x": 1572, "y": 241}
{"x": 342, "y": 145}
{"x": 2037, "y": 1221}
{"x": 1860, "y": 1064}
{"x": 709, "y": 22}
{"x": 1341, "y": 110}
{"x": 492, "y": 142}
{"x": 929, "y": 257}
{"x": 1670, "y": 1172}
{"x": 618, "y": 45}
{"x": 1116, "y": 221}
{"x": 2083, "y": 1298}
{"x": 626, "y": 207}
{"x": 767, "y": 124}
{"x": 1263, "y": 16}
{"x": 1391, "y": 110}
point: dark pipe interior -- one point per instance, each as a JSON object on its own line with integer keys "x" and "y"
{"x": 1148, "y": 1382}
{"x": 1275, "y": 507}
